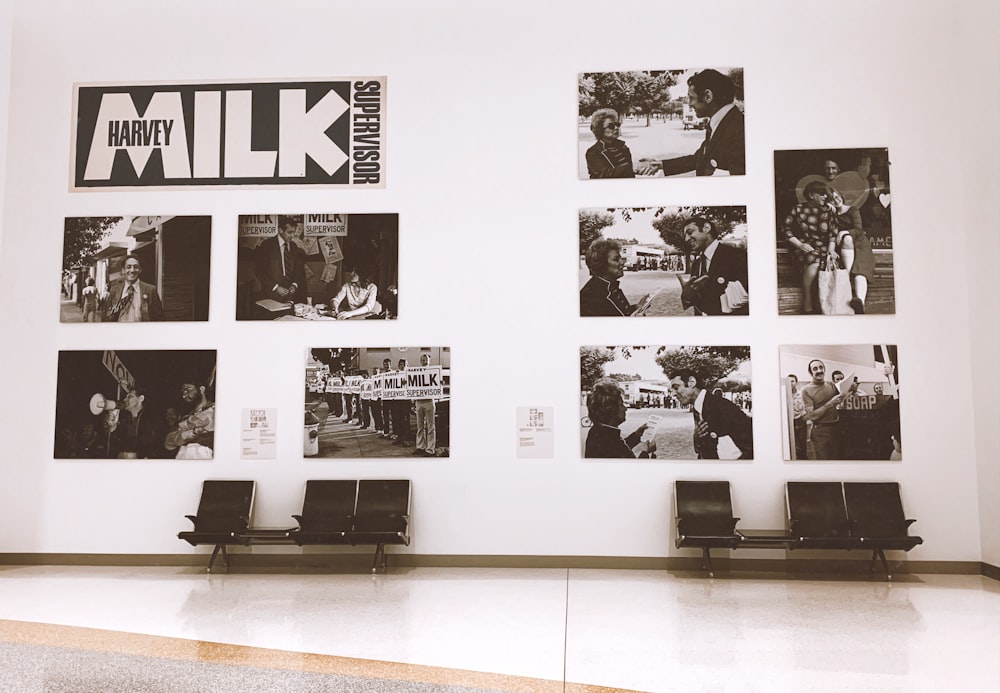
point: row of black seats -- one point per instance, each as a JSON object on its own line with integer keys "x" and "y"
{"x": 334, "y": 512}
{"x": 821, "y": 515}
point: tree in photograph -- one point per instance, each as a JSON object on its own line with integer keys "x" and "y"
{"x": 736, "y": 74}
{"x": 625, "y": 377}
{"x": 82, "y": 239}
{"x": 670, "y": 225}
{"x": 585, "y": 93}
{"x": 591, "y": 223}
{"x": 651, "y": 93}
{"x": 645, "y": 92}
{"x": 613, "y": 90}
{"x": 592, "y": 360}
{"x": 710, "y": 364}
{"x": 731, "y": 385}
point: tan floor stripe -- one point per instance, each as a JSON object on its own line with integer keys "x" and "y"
{"x": 117, "y": 642}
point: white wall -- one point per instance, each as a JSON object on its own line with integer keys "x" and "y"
{"x": 6, "y": 16}
{"x": 982, "y": 187}
{"x": 482, "y": 153}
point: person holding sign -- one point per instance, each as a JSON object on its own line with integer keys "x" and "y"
{"x": 401, "y": 414}
{"x": 386, "y": 405}
{"x": 606, "y": 409}
{"x": 426, "y": 436}
{"x": 822, "y": 399}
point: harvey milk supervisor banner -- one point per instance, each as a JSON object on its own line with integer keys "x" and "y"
{"x": 329, "y": 133}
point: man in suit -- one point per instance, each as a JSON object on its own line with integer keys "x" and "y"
{"x": 280, "y": 264}
{"x": 716, "y": 266}
{"x": 131, "y": 300}
{"x": 711, "y": 95}
{"x": 714, "y": 417}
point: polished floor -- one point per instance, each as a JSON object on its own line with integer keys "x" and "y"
{"x": 463, "y": 629}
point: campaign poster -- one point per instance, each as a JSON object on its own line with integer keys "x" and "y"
{"x": 325, "y": 132}
{"x": 376, "y": 402}
{"x": 666, "y": 403}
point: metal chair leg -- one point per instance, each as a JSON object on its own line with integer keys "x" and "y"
{"x": 706, "y": 561}
{"x": 881, "y": 555}
{"x": 379, "y": 553}
{"x": 215, "y": 552}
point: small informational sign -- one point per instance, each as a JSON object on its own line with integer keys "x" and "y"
{"x": 535, "y": 439}
{"x": 424, "y": 382}
{"x": 259, "y": 439}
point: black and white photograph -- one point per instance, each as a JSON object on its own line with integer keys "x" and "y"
{"x": 663, "y": 261}
{"x": 323, "y": 266}
{"x": 646, "y": 123}
{"x": 269, "y": 134}
{"x": 135, "y": 405}
{"x": 135, "y": 269}
{"x": 374, "y": 402}
{"x": 834, "y": 232}
{"x": 840, "y": 402}
{"x": 666, "y": 402}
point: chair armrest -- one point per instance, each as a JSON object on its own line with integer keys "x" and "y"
{"x": 297, "y": 518}
{"x": 193, "y": 518}
{"x": 908, "y": 523}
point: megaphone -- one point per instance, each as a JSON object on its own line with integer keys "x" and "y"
{"x": 99, "y": 403}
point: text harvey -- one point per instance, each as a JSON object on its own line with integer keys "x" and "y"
{"x": 266, "y": 134}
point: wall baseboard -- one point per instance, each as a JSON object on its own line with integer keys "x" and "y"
{"x": 354, "y": 561}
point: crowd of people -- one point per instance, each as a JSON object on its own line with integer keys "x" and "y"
{"x": 388, "y": 418}
{"x": 138, "y": 429}
{"x": 669, "y": 401}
